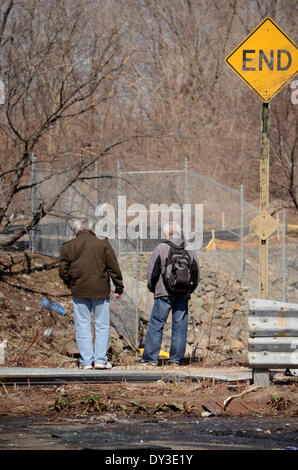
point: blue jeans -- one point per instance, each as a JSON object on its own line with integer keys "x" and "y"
{"x": 82, "y": 316}
{"x": 159, "y": 316}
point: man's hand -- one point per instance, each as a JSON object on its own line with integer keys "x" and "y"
{"x": 117, "y": 296}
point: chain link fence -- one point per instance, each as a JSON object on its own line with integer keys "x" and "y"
{"x": 226, "y": 218}
{"x": 227, "y": 240}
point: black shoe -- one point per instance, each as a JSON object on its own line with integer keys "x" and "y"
{"x": 291, "y": 372}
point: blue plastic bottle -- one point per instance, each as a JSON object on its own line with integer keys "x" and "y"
{"x": 46, "y": 303}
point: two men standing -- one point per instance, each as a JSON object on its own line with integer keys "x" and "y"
{"x": 87, "y": 264}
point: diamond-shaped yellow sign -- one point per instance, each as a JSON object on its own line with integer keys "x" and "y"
{"x": 263, "y": 225}
{"x": 266, "y": 60}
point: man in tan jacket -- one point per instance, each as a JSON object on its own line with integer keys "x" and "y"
{"x": 86, "y": 266}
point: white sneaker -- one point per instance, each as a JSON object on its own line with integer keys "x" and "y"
{"x": 89, "y": 367}
{"x": 107, "y": 365}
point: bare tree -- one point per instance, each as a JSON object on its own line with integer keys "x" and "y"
{"x": 184, "y": 87}
{"x": 54, "y": 75}
{"x": 84, "y": 78}
{"x": 284, "y": 151}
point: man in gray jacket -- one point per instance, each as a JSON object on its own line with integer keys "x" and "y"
{"x": 166, "y": 300}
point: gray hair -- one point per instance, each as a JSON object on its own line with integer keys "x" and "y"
{"x": 172, "y": 229}
{"x": 84, "y": 224}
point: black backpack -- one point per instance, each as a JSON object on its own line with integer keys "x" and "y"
{"x": 177, "y": 271}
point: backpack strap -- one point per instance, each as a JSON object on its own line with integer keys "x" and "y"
{"x": 173, "y": 247}
{"x": 170, "y": 254}
{"x": 170, "y": 243}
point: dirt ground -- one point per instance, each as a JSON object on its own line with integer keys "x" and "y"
{"x": 159, "y": 398}
{"x": 25, "y": 280}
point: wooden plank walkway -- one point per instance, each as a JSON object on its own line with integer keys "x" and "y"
{"x": 56, "y": 375}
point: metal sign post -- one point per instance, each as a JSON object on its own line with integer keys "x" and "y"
{"x": 266, "y": 61}
{"x": 264, "y": 198}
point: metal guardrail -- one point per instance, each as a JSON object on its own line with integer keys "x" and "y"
{"x": 273, "y": 337}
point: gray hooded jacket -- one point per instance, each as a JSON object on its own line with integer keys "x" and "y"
{"x": 157, "y": 263}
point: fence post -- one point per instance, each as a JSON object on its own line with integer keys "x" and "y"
{"x": 137, "y": 290}
{"x": 117, "y": 202}
{"x": 241, "y": 233}
{"x": 33, "y": 202}
{"x": 67, "y": 194}
{"x": 96, "y": 184}
{"x": 284, "y": 255}
{"x": 186, "y": 192}
{"x": 261, "y": 377}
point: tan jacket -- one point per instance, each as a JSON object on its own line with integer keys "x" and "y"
{"x": 86, "y": 266}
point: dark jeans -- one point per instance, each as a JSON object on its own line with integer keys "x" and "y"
{"x": 159, "y": 316}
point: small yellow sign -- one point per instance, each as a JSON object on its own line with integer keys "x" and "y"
{"x": 266, "y": 60}
{"x": 263, "y": 225}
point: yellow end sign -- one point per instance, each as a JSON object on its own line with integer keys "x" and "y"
{"x": 266, "y": 60}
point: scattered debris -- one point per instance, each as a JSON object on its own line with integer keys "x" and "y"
{"x": 206, "y": 414}
{"x": 229, "y": 399}
{"x": 212, "y": 408}
{"x": 48, "y": 333}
